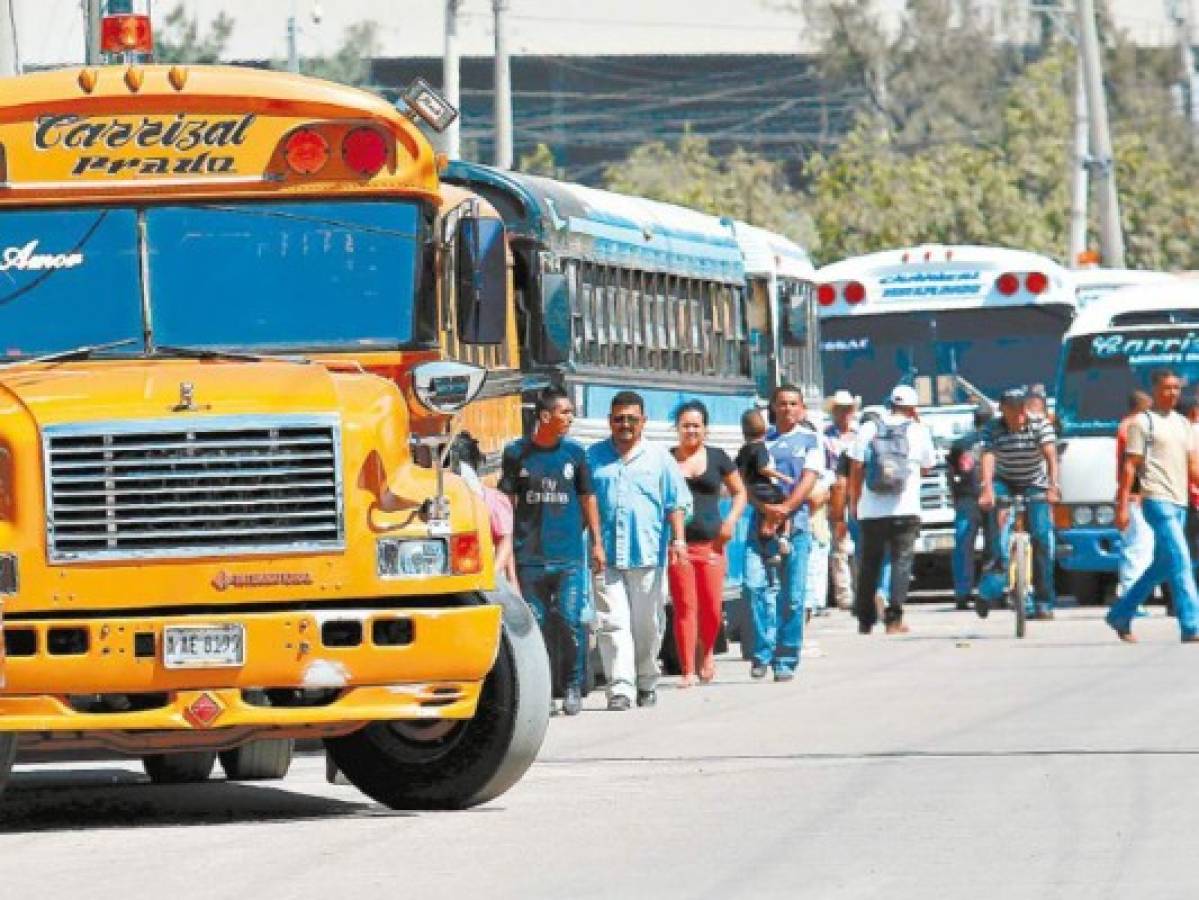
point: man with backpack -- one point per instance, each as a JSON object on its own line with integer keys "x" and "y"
{"x": 886, "y": 464}
{"x": 964, "y": 461}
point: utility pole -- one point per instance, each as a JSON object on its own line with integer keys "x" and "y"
{"x": 1111, "y": 237}
{"x": 1081, "y": 159}
{"x": 8, "y": 40}
{"x": 449, "y": 78}
{"x": 1181, "y": 13}
{"x": 94, "y": 55}
{"x": 293, "y": 53}
{"x": 503, "y": 88}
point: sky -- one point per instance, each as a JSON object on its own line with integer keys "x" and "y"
{"x": 51, "y": 31}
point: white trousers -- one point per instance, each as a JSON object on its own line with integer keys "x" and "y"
{"x": 630, "y": 607}
{"x": 1136, "y": 549}
{"x": 816, "y": 595}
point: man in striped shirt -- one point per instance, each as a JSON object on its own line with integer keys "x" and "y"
{"x": 1020, "y": 457}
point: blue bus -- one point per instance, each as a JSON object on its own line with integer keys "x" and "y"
{"x": 616, "y": 292}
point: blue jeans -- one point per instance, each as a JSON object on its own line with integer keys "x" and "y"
{"x": 1171, "y": 563}
{"x": 968, "y": 520}
{"x": 1040, "y": 529}
{"x": 558, "y": 597}
{"x": 775, "y": 595}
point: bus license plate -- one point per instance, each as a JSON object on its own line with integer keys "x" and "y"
{"x": 198, "y": 646}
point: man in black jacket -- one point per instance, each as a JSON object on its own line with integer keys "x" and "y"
{"x": 964, "y": 458}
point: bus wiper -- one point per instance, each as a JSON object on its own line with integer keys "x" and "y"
{"x": 213, "y": 353}
{"x": 87, "y": 350}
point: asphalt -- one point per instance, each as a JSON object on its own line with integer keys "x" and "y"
{"x": 951, "y": 762}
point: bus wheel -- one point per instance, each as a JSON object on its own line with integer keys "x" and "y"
{"x": 179, "y": 768}
{"x": 1086, "y": 587}
{"x": 258, "y": 760}
{"x": 8, "y": 754}
{"x": 448, "y": 764}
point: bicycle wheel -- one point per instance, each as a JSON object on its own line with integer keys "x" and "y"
{"x": 1021, "y": 579}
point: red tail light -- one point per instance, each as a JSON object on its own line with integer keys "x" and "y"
{"x": 464, "y": 553}
{"x": 826, "y": 294}
{"x": 1036, "y": 282}
{"x": 855, "y": 292}
{"x": 365, "y": 151}
{"x": 126, "y": 34}
{"x": 306, "y": 152}
{"x": 1007, "y": 284}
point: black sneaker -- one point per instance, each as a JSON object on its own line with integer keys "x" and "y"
{"x": 982, "y": 607}
{"x": 619, "y": 703}
{"x": 756, "y": 671}
{"x": 865, "y": 627}
{"x": 572, "y": 703}
{"x": 647, "y": 698}
{"x": 961, "y": 604}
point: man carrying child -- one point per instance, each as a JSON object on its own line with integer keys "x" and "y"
{"x": 775, "y": 591}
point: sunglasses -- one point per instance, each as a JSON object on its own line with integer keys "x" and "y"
{"x": 622, "y": 420}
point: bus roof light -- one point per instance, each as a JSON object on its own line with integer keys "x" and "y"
{"x": 126, "y": 34}
{"x": 855, "y": 292}
{"x": 306, "y": 152}
{"x": 364, "y": 150}
{"x": 1007, "y": 284}
{"x": 826, "y": 294}
{"x": 1036, "y": 282}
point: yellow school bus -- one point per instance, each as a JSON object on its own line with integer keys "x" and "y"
{"x": 225, "y": 328}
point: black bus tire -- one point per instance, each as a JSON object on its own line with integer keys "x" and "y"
{"x": 188, "y": 767}
{"x": 8, "y": 755}
{"x": 451, "y": 764}
{"x": 262, "y": 760}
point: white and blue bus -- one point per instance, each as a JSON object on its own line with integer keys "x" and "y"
{"x": 1092, "y": 284}
{"x": 1110, "y": 351}
{"x": 958, "y": 323}
{"x": 622, "y": 293}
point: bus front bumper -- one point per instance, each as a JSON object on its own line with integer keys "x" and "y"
{"x": 290, "y": 681}
{"x": 1088, "y": 549}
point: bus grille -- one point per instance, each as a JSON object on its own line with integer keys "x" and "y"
{"x": 934, "y": 490}
{"x": 129, "y": 490}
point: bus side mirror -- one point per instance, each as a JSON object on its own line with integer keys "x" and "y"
{"x": 556, "y": 315}
{"x": 482, "y": 278}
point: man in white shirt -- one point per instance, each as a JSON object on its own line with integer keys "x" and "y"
{"x": 887, "y": 462}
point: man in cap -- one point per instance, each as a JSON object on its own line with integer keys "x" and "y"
{"x": 887, "y": 461}
{"x": 1020, "y": 457}
{"x": 964, "y": 462}
{"x": 840, "y": 435}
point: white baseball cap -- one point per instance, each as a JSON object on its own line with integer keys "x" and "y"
{"x": 844, "y": 398}
{"x": 904, "y": 395}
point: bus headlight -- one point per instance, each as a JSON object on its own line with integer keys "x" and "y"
{"x": 396, "y": 558}
{"x": 1083, "y": 515}
{"x": 1105, "y": 515}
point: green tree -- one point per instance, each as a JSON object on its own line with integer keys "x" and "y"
{"x": 350, "y": 63}
{"x": 743, "y": 185}
{"x": 180, "y": 39}
{"x": 540, "y": 161}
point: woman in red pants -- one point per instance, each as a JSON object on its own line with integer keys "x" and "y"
{"x": 697, "y": 582}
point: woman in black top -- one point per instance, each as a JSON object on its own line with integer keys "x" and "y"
{"x": 697, "y": 582}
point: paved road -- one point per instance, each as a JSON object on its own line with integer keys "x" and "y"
{"x": 953, "y": 762}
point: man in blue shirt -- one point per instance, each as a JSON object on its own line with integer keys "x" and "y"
{"x": 549, "y": 482}
{"x": 643, "y": 500}
{"x": 775, "y": 594}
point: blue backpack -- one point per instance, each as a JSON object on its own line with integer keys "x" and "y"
{"x": 890, "y": 462}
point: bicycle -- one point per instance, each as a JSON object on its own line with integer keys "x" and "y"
{"x": 1019, "y": 574}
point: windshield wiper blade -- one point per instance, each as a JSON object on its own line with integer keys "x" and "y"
{"x": 74, "y": 353}
{"x": 214, "y": 353}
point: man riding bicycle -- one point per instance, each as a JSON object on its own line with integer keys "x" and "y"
{"x": 1020, "y": 457}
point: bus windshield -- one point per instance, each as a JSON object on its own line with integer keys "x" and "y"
{"x": 254, "y": 276}
{"x": 990, "y": 348}
{"x": 1100, "y": 371}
